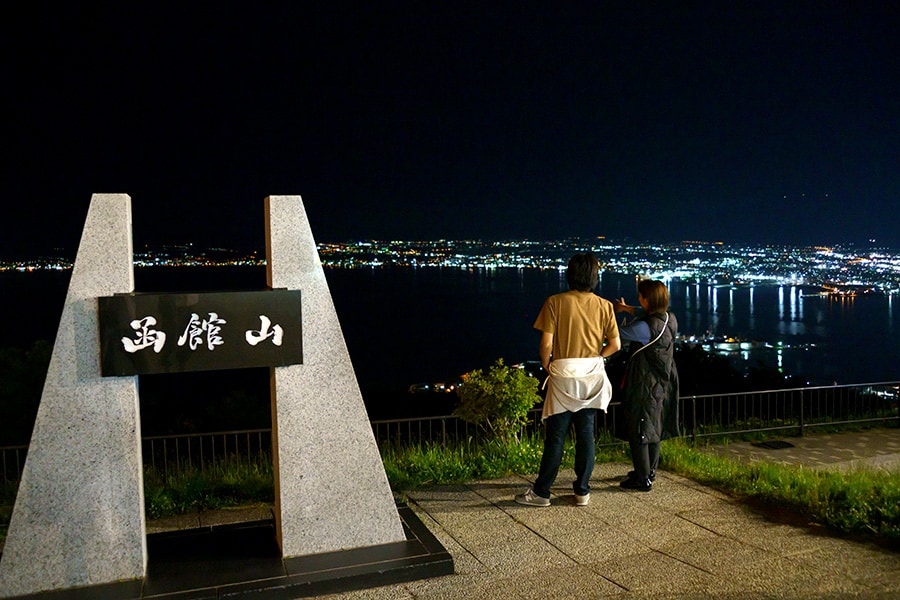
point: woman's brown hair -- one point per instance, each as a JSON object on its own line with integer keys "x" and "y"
{"x": 656, "y": 294}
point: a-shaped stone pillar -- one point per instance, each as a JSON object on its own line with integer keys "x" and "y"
{"x": 79, "y": 513}
{"x": 331, "y": 491}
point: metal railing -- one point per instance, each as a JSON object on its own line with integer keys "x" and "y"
{"x": 798, "y": 409}
{"x": 448, "y": 429}
{"x": 795, "y": 410}
{"x": 164, "y": 452}
{"x": 205, "y": 450}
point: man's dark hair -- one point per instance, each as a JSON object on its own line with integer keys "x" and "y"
{"x": 582, "y": 273}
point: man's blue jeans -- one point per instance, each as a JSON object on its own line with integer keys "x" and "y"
{"x": 555, "y": 429}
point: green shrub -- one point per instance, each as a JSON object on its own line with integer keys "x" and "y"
{"x": 498, "y": 401}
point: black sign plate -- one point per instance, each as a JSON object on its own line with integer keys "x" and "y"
{"x": 142, "y": 334}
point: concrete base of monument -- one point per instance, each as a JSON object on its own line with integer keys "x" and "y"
{"x": 241, "y": 560}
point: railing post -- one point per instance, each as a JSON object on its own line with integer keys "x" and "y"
{"x": 694, "y": 419}
{"x": 802, "y": 424}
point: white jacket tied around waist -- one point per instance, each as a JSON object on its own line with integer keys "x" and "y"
{"x": 576, "y": 383}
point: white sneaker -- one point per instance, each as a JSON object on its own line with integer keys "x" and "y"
{"x": 529, "y": 498}
{"x": 582, "y": 500}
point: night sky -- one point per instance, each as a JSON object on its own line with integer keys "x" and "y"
{"x": 766, "y": 122}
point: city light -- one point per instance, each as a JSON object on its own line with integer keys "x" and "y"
{"x": 843, "y": 271}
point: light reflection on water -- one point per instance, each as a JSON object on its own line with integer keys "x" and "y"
{"x": 408, "y": 325}
{"x": 827, "y": 338}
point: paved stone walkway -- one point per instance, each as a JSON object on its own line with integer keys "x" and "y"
{"x": 681, "y": 540}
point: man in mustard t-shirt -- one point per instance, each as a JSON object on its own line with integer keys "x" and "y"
{"x": 578, "y": 331}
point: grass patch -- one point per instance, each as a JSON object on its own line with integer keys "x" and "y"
{"x": 409, "y": 468}
{"x": 863, "y": 501}
{"x": 226, "y": 484}
{"x": 186, "y": 490}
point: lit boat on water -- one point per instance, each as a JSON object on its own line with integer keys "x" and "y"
{"x": 723, "y": 344}
{"x": 731, "y": 344}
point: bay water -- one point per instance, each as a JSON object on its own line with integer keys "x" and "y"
{"x": 406, "y": 326}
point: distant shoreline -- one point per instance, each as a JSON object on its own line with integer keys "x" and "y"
{"x": 838, "y": 269}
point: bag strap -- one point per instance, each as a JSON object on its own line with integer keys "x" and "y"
{"x": 656, "y": 339}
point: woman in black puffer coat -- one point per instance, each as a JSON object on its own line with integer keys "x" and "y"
{"x": 651, "y": 381}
